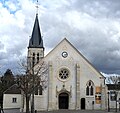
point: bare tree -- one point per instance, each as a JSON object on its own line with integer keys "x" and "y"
{"x": 32, "y": 79}
{"x": 113, "y": 79}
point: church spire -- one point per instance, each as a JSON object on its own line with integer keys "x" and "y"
{"x": 35, "y": 48}
{"x": 36, "y": 38}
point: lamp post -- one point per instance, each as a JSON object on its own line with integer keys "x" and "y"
{"x": 116, "y": 94}
{"x": 119, "y": 104}
{"x": 108, "y": 102}
{"x": 116, "y": 100}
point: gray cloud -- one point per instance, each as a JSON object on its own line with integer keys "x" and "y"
{"x": 92, "y": 26}
{"x": 98, "y": 8}
{"x": 1, "y": 45}
{"x": 99, "y": 41}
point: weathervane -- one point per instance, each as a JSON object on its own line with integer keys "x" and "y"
{"x": 37, "y": 8}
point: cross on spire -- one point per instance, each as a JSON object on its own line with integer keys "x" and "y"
{"x": 37, "y": 7}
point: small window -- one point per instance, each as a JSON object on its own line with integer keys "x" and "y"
{"x": 33, "y": 59}
{"x": 37, "y": 57}
{"x": 33, "y": 54}
{"x": 91, "y": 90}
{"x": 14, "y": 100}
{"x": 87, "y": 90}
{"x": 38, "y": 90}
{"x": 112, "y": 96}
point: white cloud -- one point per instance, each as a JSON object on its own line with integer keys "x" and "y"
{"x": 11, "y": 6}
{"x": 94, "y": 24}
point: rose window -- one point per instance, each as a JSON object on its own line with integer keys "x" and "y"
{"x": 63, "y": 74}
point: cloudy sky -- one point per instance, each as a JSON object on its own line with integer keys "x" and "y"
{"x": 92, "y": 26}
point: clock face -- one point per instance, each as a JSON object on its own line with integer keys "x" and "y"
{"x": 64, "y": 54}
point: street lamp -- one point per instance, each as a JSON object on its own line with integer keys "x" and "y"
{"x": 108, "y": 102}
{"x": 116, "y": 100}
{"x": 119, "y": 104}
{"x": 116, "y": 94}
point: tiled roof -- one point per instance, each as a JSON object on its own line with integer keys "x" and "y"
{"x": 14, "y": 89}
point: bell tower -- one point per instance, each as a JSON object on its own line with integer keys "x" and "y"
{"x": 35, "y": 48}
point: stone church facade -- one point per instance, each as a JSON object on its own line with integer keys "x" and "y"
{"x": 73, "y": 82}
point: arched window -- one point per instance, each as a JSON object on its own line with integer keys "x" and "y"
{"x": 38, "y": 90}
{"x": 87, "y": 90}
{"x": 90, "y": 88}
{"x": 37, "y": 57}
{"x": 33, "y": 59}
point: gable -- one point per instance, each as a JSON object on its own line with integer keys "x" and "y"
{"x": 66, "y": 48}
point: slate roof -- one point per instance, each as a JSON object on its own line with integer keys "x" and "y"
{"x": 36, "y": 38}
{"x": 13, "y": 90}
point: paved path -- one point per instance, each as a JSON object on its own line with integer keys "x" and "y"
{"x": 62, "y": 111}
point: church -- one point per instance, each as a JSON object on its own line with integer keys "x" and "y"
{"x": 73, "y": 82}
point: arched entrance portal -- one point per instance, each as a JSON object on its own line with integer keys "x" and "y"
{"x": 63, "y": 101}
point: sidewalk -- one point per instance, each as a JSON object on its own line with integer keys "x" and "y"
{"x": 63, "y": 111}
